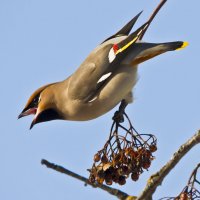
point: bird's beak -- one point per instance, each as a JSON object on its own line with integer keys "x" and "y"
{"x": 33, "y": 123}
{"x": 31, "y": 111}
{"x": 35, "y": 119}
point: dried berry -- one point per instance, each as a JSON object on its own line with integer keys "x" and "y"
{"x": 104, "y": 159}
{"x": 100, "y": 180}
{"x": 125, "y": 160}
{"x": 148, "y": 153}
{"x": 125, "y": 170}
{"x": 122, "y": 180}
{"x": 92, "y": 179}
{"x": 115, "y": 177}
{"x": 134, "y": 176}
{"x": 110, "y": 170}
{"x": 184, "y": 196}
{"x": 123, "y": 155}
{"x": 133, "y": 154}
{"x": 117, "y": 159}
{"x": 108, "y": 178}
{"x": 153, "y": 148}
{"x": 106, "y": 166}
{"x": 101, "y": 174}
{"x": 127, "y": 151}
{"x": 146, "y": 164}
{"x": 97, "y": 157}
{"x": 109, "y": 182}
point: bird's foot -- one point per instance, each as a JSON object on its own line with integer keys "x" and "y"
{"x": 118, "y": 117}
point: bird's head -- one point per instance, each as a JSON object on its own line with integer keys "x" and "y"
{"x": 42, "y": 105}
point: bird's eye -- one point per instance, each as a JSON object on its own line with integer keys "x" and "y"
{"x": 35, "y": 101}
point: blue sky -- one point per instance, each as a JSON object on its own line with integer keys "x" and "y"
{"x": 45, "y": 41}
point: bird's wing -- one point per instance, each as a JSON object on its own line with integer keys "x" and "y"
{"x": 100, "y": 65}
{"x": 126, "y": 29}
{"x": 83, "y": 83}
{"x": 121, "y": 49}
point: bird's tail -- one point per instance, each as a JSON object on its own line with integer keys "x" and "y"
{"x": 141, "y": 52}
{"x": 133, "y": 50}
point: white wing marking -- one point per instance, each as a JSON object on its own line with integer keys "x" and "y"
{"x": 104, "y": 77}
{"x": 111, "y": 55}
{"x": 92, "y": 99}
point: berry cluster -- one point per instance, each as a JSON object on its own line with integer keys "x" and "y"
{"x": 190, "y": 192}
{"x": 125, "y": 154}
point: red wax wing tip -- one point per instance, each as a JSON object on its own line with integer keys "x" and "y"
{"x": 115, "y": 48}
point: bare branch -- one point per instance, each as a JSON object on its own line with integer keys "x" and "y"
{"x": 118, "y": 193}
{"x": 157, "y": 178}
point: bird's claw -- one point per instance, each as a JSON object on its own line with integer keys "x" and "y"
{"x": 118, "y": 117}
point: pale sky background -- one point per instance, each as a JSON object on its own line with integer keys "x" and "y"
{"x": 43, "y": 41}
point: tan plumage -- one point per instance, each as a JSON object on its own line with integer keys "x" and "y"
{"x": 105, "y": 78}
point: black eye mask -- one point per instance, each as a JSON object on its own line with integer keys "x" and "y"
{"x": 48, "y": 115}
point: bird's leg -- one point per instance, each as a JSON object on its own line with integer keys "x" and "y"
{"x": 118, "y": 116}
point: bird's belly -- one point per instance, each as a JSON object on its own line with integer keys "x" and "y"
{"x": 111, "y": 94}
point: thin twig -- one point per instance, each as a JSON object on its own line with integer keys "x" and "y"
{"x": 118, "y": 193}
{"x": 157, "y": 178}
{"x": 193, "y": 175}
{"x": 153, "y": 16}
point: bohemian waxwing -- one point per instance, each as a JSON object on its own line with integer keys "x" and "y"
{"x": 104, "y": 79}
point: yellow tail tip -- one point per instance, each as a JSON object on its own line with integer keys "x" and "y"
{"x": 185, "y": 44}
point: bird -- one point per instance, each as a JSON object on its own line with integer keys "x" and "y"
{"x": 104, "y": 79}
